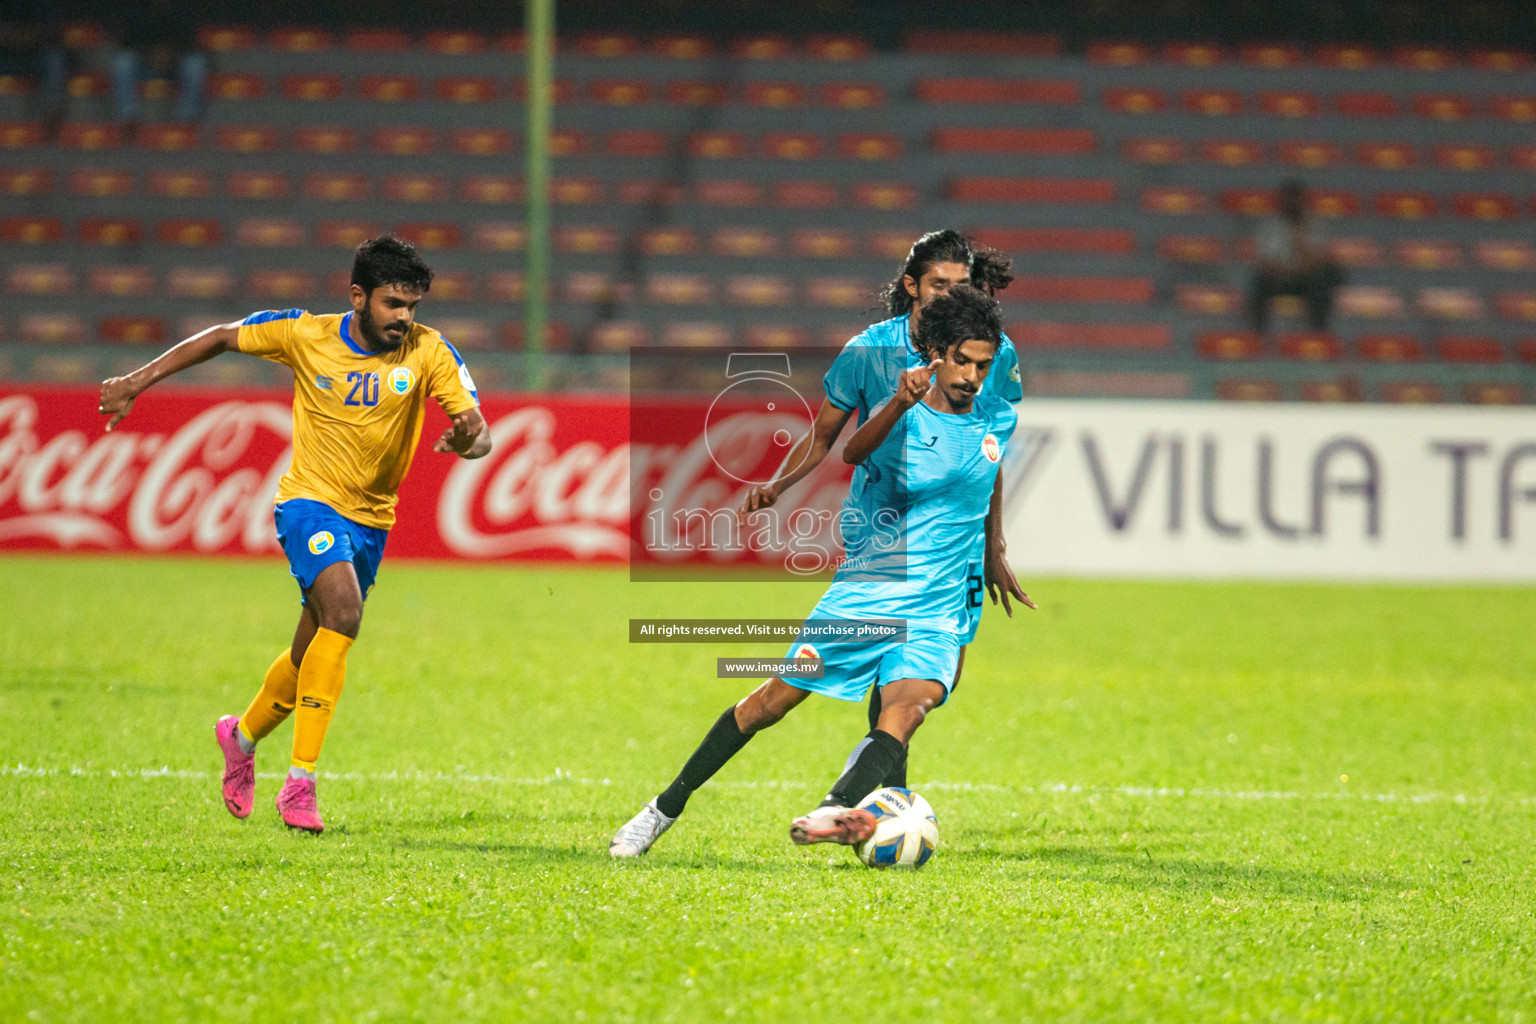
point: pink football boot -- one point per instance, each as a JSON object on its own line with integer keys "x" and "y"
{"x": 239, "y": 768}
{"x": 296, "y": 803}
{"x": 846, "y": 825}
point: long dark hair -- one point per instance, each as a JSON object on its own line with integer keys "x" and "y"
{"x": 961, "y": 314}
{"x": 990, "y": 269}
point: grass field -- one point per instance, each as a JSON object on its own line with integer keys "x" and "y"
{"x": 1141, "y": 791}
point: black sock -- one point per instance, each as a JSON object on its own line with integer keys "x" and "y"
{"x": 897, "y": 775}
{"x": 869, "y": 770}
{"x": 721, "y": 743}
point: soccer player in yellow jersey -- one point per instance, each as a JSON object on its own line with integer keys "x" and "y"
{"x": 361, "y": 381}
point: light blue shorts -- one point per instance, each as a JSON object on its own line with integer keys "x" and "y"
{"x": 849, "y": 669}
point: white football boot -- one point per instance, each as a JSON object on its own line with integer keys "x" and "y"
{"x": 640, "y": 832}
{"x": 846, "y": 825}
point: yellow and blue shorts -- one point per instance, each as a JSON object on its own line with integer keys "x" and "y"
{"x": 315, "y": 536}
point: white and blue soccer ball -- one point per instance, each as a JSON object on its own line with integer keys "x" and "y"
{"x": 906, "y": 830}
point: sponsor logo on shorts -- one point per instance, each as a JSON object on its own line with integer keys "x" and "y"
{"x": 401, "y": 379}
{"x": 806, "y": 651}
{"x": 990, "y": 448}
{"x": 320, "y": 543}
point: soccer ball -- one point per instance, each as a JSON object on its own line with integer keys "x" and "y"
{"x": 906, "y": 830}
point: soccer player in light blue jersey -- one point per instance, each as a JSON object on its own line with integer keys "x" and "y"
{"x": 864, "y": 375}
{"x": 931, "y": 457}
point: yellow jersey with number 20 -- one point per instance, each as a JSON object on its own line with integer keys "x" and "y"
{"x": 357, "y": 415}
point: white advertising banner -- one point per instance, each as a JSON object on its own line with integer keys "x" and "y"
{"x": 1210, "y": 489}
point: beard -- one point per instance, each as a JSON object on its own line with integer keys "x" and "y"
{"x": 377, "y": 339}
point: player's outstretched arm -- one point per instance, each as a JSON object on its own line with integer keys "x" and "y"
{"x": 911, "y": 386}
{"x": 118, "y": 393}
{"x": 999, "y": 574}
{"x": 469, "y": 437}
{"x": 805, "y": 456}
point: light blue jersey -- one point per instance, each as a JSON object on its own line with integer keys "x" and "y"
{"x": 925, "y": 503}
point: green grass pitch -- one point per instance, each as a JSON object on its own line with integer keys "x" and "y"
{"x": 1141, "y": 792}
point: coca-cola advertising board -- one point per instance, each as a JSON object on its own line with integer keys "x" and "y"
{"x": 586, "y": 478}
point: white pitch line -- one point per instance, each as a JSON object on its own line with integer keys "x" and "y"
{"x": 564, "y": 778}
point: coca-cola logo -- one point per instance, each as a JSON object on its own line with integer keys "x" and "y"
{"x": 193, "y": 487}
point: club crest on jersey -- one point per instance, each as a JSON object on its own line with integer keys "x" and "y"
{"x": 401, "y": 379}
{"x": 990, "y": 448}
{"x": 320, "y": 543}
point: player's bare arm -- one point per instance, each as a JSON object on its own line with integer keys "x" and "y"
{"x": 910, "y": 389}
{"x": 1001, "y": 583}
{"x": 469, "y": 437}
{"x": 118, "y": 393}
{"x": 805, "y": 456}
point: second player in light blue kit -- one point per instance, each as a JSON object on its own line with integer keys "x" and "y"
{"x": 931, "y": 459}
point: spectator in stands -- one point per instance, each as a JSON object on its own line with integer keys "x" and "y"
{"x": 32, "y": 46}
{"x": 1293, "y": 259}
{"x": 158, "y": 39}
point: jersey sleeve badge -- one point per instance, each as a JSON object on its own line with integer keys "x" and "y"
{"x": 990, "y": 448}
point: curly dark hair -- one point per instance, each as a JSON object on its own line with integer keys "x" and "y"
{"x": 961, "y": 314}
{"x": 387, "y": 260}
{"x": 990, "y": 269}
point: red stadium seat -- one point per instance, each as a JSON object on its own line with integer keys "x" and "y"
{"x": 1033, "y": 190}
{"x": 377, "y": 40}
{"x": 1486, "y": 206}
{"x": 1326, "y": 202}
{"x": 180, "y": 184}
{"x": 728, "y": 193}
{"x": 1366, "y": 104}
{"x": 1102, "y": 240}
{"x": 1175, "y": 200}
{"x": 866, "y": 146}
{"x": 822, "y": 243}
{"x": 1424, "y": 58}
{"x": 90, "y": 136}
{"x": 100, "y": 182}
{"x": 511, "y": 42}
{"x": 790, "y": 146}
{"x": 1442, "y": 106}
{"x": 969, "y": 44}
{"x": 576, "y": 191}
{"x": 744, "y": 241}
{"x": 344, "y": 234}
{"x": 14, "y": 85}
{"x": 1033, "y": 334}
{"x": 695, "y": 94}
{"x": 52, "y": 329}
{"x": 1406, "y": 205}
{"x": 619, "y": 92}
{"x": 430, "y": 235}
{"x": 682, "y": 47}
{"x": 1523, "y": 157}
{"x": 1356, "y": 252}
{"x": 716, "y": 145}
{"x": 695, "y": 335}
{"x": 1194, "y": 55}
{"x": 1330, "y": 390}
{"x": 404, "y": 141}
{"x": 1164, "y": 150}
{"x": 1513, "y": 108}
{"x": 1190, "y": 249}
{"x": 1428, "y": 254}
{"x": 1065, "y": 141}
{"x": 31, "y": 230}
{"x": 774, "y": 94}
{"x": 588, "y": 239}
{"x": 678, "y": 289}
{"x": 246, "y": 138}
{"x": 109, "y": 231}
{"x": 837, "y": 47}
{"x": 131, "y": 330}
{"x": 1120, "y": 55}
{"x": 1012, "y": 91}
{"x": 1516, "y": 305}
{"x": 1135, "y": 101}
{"x": 1500, "y": 254}
{"x": 325, "y": 139}
{"x": 226, "y": 85}
{"x": 473, "y": 89}
{"x": 1308, "y": 153}
{"x": 759, "y": 290}
{"x": 608, "y": 44}
{"x": 884, "y": 195}
{"x": 87, "y": 85}
{"x": 618, "y": 335}
{"x": 651, "y": 192}
{"x": 43, "y": 279}
{"x": 224, "y": 39}
{"x": 1387, "y": 156}
{"x": 257, "y": 185}
{"x": 1370, "y": 302}
{"x": 1212, "y": 102}
{"x": 84, "y": 35}
{"x": 854, "y": 95}
{"x": 1465, "y": 158}
{"x": 1390, "y": 348}
{"x": 452, "y": 286}
{"x": 454, "y": 43}
{"x": 1458, "y": 348}
{"x": 890, "y": 245}
{"x": 1248, "y": 389}
{"x": 1484, "y": 392}
{"x": 557, "y": 337}
{"x": 189, "y": 233}
{"x": 1232, "y": 152}
{"x": 1450, "y": 304}
{"x": 496, "y": 236}
{"x": 763, "y": 48}
{"x": 201, "y": 282}
{"x": 1133, "y": 290}
{"x": 1278, "y": 103}
{"x": 337, "y": 186}
{"x": 805, "y": 194}
{"x": 1311, "y": 347}
{"x": 670, "y": 241}
{"x": 839, "y": 292}
{"x": 637, "y": 142}
{"x": 25, "y": 181}
{"x": 416, "y": 188}
{"x": 279, "y": 286}
{"x": 320, "y": 86}
{"x": 1230, "y": 345}
{"x": 1248, "y": 202}
{"x": 1271, "y": 55}
{"x": 23, "y": 135}
{"x": 480, "y": 141}
{"x": 568, "y": 142}
{"x": 774, "y": 336}
{"x": 1500, "y": 60}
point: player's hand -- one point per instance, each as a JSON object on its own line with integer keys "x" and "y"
{"x": 915, "y": 383}
{"x": 757, "y": 499}
{"x": 453, "y": 442}
{"x": 117, "y": 395}
{"x": 1001, "y": 583}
